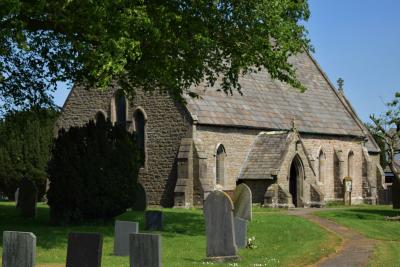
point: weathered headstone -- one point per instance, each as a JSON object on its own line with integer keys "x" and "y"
{"x": 19, "y": 249}
{"x": 121, "y": 237}
{"x": 84, "y": 249}
{"x": 140, "y": 202}
{"x": 154, "y": 220}
{"x": 243, "y": 202}
{"x": 145, "y": 250}
{"x": 240, "y": 232}
{"x": 27, "y": 198}
{"x": 218, "y": 214}
{"x": 16, "y": 197}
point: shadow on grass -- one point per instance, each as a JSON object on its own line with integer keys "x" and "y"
{"x": 49, "y": 236}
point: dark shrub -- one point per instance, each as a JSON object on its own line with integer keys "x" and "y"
{"x": 93, "y": 173}
{"x": 25, "y": 145}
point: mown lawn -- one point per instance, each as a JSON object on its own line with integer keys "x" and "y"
{"x": 281, "y": 240}
{"x": 370, "y": 221}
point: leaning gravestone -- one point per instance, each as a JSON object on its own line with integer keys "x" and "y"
{"x": 121, "y": 238}
{"x": 19, "y": 249}
{"x": 243, "y": 202}
{"x": 240, "y": 232}
{"x": 27, "y": 198}
{"x": 154, "y": 220}
{"x": 140, "y": 202}
{"x": 145, "y": 250}
{"x": 221, "y": 244}
{"x": 84, "y": 249}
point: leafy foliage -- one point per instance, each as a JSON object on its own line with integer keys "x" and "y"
{"x": 93, "y": 172}
{"x": 165, "y": 44}
{"x": 25, "y": 144}
{"x": 386, "y": 128}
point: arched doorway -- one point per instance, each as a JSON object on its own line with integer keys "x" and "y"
{"x": 296, "y": 177}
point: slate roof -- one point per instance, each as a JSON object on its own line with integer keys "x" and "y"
{"x": 271, "y": 105}
{"x": 265, "y": 156}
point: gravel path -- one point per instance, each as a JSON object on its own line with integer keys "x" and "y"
{"x": 355, "y": 249}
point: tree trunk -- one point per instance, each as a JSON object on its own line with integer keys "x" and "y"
{"x": 396, "y": 193}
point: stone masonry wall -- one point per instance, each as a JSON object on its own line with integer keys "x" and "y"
{"x": 167, "y": 123}
{"x": 238, "y": 142}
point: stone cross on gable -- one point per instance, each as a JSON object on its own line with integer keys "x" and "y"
{"x": 294, "y": 126}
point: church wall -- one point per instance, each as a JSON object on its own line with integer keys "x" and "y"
{"x": 167, "y": 123}
{"x": 329, "y": 145}
{"x": 237, "y": 143}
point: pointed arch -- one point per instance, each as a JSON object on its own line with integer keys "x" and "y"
{"x": 321, "y": 166}
{"x": 100, "y": 116}
{"x": 220, "y": 156}
{"x": 119, "y": 108}
{"x": 350, "y": 164}
{"x": 140, "y": 119}
{"x": 296, "y": 178}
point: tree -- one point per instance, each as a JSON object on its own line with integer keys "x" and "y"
{"x": 25, "y": 144}
{"x": 93, "y": 173}
{"x": 164, "y": 44}
{"x": 386, "y": 128}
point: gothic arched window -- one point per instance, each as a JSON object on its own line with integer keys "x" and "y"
{"x": 350, "y": 166}
{"x": 120, "y": 108}
{"x": 100, "y": 117}
{"x": 321, "y": 166}
{"x": 220, "y": 165}
{"x": 140, "y": 129}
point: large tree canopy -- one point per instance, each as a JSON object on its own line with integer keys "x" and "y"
{"x": 164, "y": 44}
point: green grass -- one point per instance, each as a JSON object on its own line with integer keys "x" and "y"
{"x": 281, "y": 240}
{"x": 370, "y": 221}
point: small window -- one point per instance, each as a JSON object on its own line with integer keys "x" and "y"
{"x": 100, "y": 117}
{"x": 120, "y": 108}
{"x": 350, "y": 166}
{"x": 321, "y": 166}
{"x": 220, "y": 165}
{"x": 140, "y": 129}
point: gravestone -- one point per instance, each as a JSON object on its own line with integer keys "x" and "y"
{"x": 140, "y": 202}
{"x": 243, "y": 202}
{"x": 218, "y": 214}
{"x": 19, "y": 249}
{"x": 154, "y": 220}
{"x": 27, "y": 198}
{"x": 16, "y": 197}
{"x": 145, "y": 250}
{"x": 240, "y": 232}
{"x": 84, "y": 249}
{"x": 121, "y": 237}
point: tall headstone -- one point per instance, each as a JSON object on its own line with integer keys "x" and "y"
{"x": 27, "y": 198}
{"x": 16, "y": 197}
{"x": 140, "y": 202}
{"x": 240, "y": 232}
{"x": 19, "y": 249}
{"x": 145, "y": 250}
{"x": 243, "y": 202}
{"x": 84, "y": 249}
{"x": 154, "y": 220}
{"x": 218, "y": 214}
{"x": 121, "y": 238}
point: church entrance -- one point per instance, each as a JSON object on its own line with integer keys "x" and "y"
{"x": 296, "y": 181}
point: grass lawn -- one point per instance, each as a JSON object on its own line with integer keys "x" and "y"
{"x": 369, "y": 220}
{"x": 281, "y": 240}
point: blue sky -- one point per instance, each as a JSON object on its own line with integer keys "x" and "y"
{"x": 358, "y": 40}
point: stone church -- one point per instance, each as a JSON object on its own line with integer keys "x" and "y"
{"x": 290, "y": 148}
